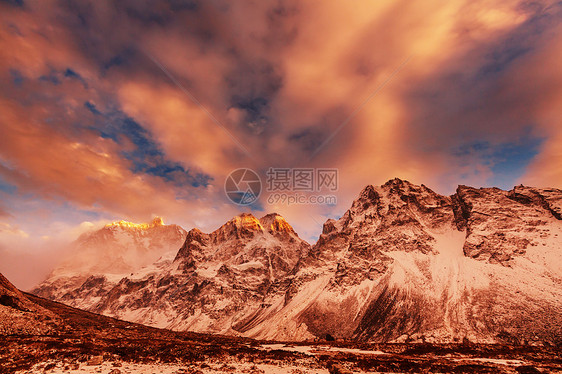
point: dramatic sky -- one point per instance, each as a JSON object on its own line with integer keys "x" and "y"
{"x": 129, "y": 110}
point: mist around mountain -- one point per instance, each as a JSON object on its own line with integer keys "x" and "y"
{"x": 113, "y": 252}
{"x": 403, "y": 264}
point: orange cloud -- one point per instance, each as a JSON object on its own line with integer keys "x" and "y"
{"x": 281, "y": 78}
{"x": 185, "y": 131}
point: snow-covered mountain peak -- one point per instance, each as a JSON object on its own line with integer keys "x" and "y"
{"x": 397, "y": 216}
{"x": 116, "y": 250}
{"x": 502, "y": 225}
{"x": 275, "y": 224}
{"x": 397, "y": 183}
{"x": 156, "y": 222}
{"x": 403, "y": 263}
{"x": 194, "y": 244}
{"x": 395, "y": 195}
{"x": 242, "y": 226}
{"x": 246, "y": 221}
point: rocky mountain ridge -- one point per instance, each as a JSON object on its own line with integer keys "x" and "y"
{"x": 50, "y": 337}
{"x": 402, "y": 264}
{"x": 19, "y": 315}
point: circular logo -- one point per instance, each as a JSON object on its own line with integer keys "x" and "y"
{"x": 243, "y": 186}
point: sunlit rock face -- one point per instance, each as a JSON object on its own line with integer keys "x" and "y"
{"x": 402, "y": 264}
{"x": 276, "y": 224}
{"x": 156, "y": 222}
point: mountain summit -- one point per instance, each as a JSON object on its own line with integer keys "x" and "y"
{"x": 402, "y": 264}
{"x": 105, "y": 256}
{"x": 156, "y": 222}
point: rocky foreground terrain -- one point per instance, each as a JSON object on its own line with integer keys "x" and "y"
{"x": 403, "y": 264}
{"x": 42, "y": 336}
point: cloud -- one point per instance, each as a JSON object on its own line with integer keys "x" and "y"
{"x": 10, "y": 232}
{"x": 130, "y": 110}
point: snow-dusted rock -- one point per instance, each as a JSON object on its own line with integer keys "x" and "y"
{"x": 402, "y": 264}
{"x": 100, "y": 259}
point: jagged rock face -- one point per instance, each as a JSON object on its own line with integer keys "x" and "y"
{"x": 350, "y": 273}
{"x": 403, "y": 263}
{"x": 549, "y": 199}
{"x": 501, "y": 224}
{"x": 395, "y": 216}
{"x": 212, "y": 284}
{"x": 269, "y": 244}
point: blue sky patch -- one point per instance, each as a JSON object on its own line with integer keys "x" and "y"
{"x": 50, "y": 78}
{"x": 508, "y": 161}
{"x": 146, "y": 155}
{"x": 7, "y": 187}
{"x": 17, "y": 77}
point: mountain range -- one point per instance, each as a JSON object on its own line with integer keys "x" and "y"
{"x": 42, "y": 336}
{"x": 403, "y": 264}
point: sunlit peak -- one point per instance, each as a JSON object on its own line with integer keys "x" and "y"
{"x": 157, "y": 221}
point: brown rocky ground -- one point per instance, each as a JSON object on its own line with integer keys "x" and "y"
{"x": 87, "y": 342}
